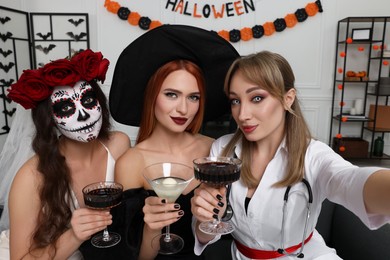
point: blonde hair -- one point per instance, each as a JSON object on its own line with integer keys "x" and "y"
{"x": 274, "y": 74}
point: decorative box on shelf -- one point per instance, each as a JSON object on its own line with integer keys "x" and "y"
{"x": 386, "y": 54}
{"x": 384, "y": 86}
{"x": 382, "y": 117}
{"x": 350, "y": 147}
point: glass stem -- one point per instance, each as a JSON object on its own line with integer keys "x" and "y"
{"x": 106, "y": 235}
{"x": 216, "y": 222}
{"x": 167, "y": 237}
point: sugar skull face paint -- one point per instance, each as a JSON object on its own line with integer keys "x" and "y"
{"x": 77, "y": 112}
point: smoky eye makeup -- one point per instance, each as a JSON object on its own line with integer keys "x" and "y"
{"x": 89, "y": 99}
{"x": 63, "y": 108}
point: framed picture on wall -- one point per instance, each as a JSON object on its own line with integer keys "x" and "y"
{"x": 361, "y": 34}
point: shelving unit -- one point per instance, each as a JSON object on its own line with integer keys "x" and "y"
{"x": 361, "y": 47}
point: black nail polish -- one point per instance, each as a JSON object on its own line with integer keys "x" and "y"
{"x": 216, "y": 211}
{"x": 181, "y": 213}
{"x": 221, "y": 204}
{"x": 176, "y": 206}
{"x": 215, "y": 216}
{"x": 219, "y": 197}
{"x": 163, "y": 201}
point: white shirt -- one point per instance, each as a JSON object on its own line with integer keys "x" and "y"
{"x": 329, "y": 175}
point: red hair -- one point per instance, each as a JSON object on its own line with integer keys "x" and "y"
{"x": 148, "y": 119}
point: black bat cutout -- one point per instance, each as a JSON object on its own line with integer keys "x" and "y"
{"x": 5, "y": 53}
{"x": 75, "y": 36}
{"x": 6, "y": 128}
{"x": 3, "y": 96}
{"x": 6, "y": 36}
{"x": 6, "y": 68}
{"x": 6, "y": 83}
{"x": 47, "y": 49}
{"x": 3, "y": 20}
{"x": 76, "y": 23}
{"x": 9, "y": 113}
{"x": 44, "y": 36}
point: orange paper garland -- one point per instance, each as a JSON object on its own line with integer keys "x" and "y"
{"x": 235, "y": 35}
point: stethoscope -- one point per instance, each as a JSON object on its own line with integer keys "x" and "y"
{"x": 229, "y": 214}
{"x": 281, "y": 250}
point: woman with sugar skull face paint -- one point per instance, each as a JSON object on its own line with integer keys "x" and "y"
{"x": 76, "y": 111}
{"x": 73, "y": 147}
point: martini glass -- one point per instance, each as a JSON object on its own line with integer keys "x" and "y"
{"x": 103, "y": 196}
{"x": 168, "y": 180}
{"x": 217, "y": 172}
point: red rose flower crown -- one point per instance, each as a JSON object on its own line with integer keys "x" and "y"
{"x": 37, "y": 85}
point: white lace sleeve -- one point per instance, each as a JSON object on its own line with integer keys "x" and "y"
{"x": 17, "y": 150}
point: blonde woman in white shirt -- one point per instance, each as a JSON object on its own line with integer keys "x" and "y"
{"x": 277, "y": 151}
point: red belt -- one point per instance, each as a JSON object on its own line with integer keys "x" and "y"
{"x": 263, "y": 254}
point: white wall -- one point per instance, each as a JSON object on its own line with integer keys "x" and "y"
{"x": 309, "y": 46}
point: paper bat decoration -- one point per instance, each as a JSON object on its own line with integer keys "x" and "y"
{"x": 44, "y": 36}
{"x": 3, "y": 96}
{"x": 9, "y": 113}
{"x": 3, "y": 20}
{"x": 75, "y": 36}
{"x": 47, "y": 49}
{"x": 6, "y": 83}
{"x": 6, "y": 36}
{"x": 5, "y": 53}
{"x": 76, "y": 23}
{"x": 6, "y": 68}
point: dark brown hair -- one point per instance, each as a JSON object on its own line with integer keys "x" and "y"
{"x": 55, "y": 191}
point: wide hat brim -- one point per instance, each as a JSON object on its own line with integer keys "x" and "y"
{"x": 140, "y": 60}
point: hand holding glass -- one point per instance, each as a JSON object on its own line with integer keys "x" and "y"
{"x": 103, "y": 196}
{"x": 168, "y": 180}
{"x": 217, "y": 172}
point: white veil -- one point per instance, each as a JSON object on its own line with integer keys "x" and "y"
{"x": 16, "y": 151}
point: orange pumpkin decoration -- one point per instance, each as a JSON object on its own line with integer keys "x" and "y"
{"x": 311, "y": 9}
{"x": 269, "y": 28}
{"x": 361, "y": 74}
{"x": 154, "y": 24}
{"x": 133, "y": 18}
{"x": 224, "y": 34}
{"x": 246, "y": 34}
{"x": 112, "y": 7}
{"x": 350, "y": 73}
{"x": 291, "y": 20}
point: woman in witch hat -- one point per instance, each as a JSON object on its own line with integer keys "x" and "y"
{"x": 168, "y": 82}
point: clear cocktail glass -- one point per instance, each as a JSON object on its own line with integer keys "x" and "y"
{"x": 168, "y": 180}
